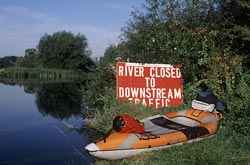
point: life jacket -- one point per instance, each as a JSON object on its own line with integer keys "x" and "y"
{"x": 124, "y": 123}
{"x": 210, "y": 98}
{"x": 207, "y": 97}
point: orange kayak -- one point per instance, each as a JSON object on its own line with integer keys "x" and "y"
{"x": 161, "y": 131}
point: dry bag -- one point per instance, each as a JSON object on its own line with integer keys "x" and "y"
{"x": 126, "y": 124}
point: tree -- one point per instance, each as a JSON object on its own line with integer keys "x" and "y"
{"x": 210, "y": 39}
{"x": 30, "y": 59}
{"x": 7, "y": 61}
{"x": 175, "y": 32}
{"x": 109, "y": 55}
{"x": 234, "y": 21}
{"x": 64, "y": 50}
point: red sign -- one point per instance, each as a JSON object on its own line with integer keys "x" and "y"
{"x": 156, "y": 85}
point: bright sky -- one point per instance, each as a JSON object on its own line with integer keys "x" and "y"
{"x": 23, "y": 22}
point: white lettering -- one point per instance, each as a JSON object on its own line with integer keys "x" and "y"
{"x": 174, "y": 93}
{"x": 150, "y": 102}
{"x": 127, "y": 92}
{"x": 135, "y": 71}
{"x": 120, "y": 68}
{"x": 159, "y": 93}
{"x": 147, "y": 81}
{"x": 144, "y": 102}
{"x": 177, "y": 93}
{"x": 167, "y": 72}
{"x": 137, "y": 101}
{"x": 151, "y": 70}
{"x": 151, "y": 88}
{"x": 178, "y": 73}
{"x": 121, "y": 92}
{"x": 157, "y": 103}
{"x": 170, "y": 94}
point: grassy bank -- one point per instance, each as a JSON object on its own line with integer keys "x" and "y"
{"x": 40, "y": 73}
{"x": 226, "y": 147}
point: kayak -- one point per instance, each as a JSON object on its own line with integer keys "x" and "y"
{"x": 156, "y": 132}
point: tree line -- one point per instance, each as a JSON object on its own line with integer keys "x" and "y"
{"x": 61, "y": 50}
{"x": 210, "y": 39}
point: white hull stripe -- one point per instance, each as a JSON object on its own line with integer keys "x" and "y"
{"x": 124, "y": 153}
{"x": 129, "y": 141}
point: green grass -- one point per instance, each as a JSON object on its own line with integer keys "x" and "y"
{"x": 225, "y": 148}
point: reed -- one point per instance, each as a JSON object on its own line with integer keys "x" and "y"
{"x": 39, "y": 73}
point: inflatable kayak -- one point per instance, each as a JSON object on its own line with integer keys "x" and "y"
{"x": 130, "y": 137}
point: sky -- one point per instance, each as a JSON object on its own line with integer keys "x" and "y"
{"x": 24, "y": 22}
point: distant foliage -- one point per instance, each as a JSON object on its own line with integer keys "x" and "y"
{"x": 8, "y": 61}
{"x": 61, "y": 50}
{"x": 30, "y": 59}
{"x": 110, "y": 54}
{"x": 64, "y": 50}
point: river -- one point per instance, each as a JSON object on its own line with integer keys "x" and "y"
{"x": 40, "y": 124}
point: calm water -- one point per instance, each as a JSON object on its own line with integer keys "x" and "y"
{"x": 36, "y": 125}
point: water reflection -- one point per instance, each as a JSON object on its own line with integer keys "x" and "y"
{"x": 40, "y": 123}
{"x": 59, "y": 100}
